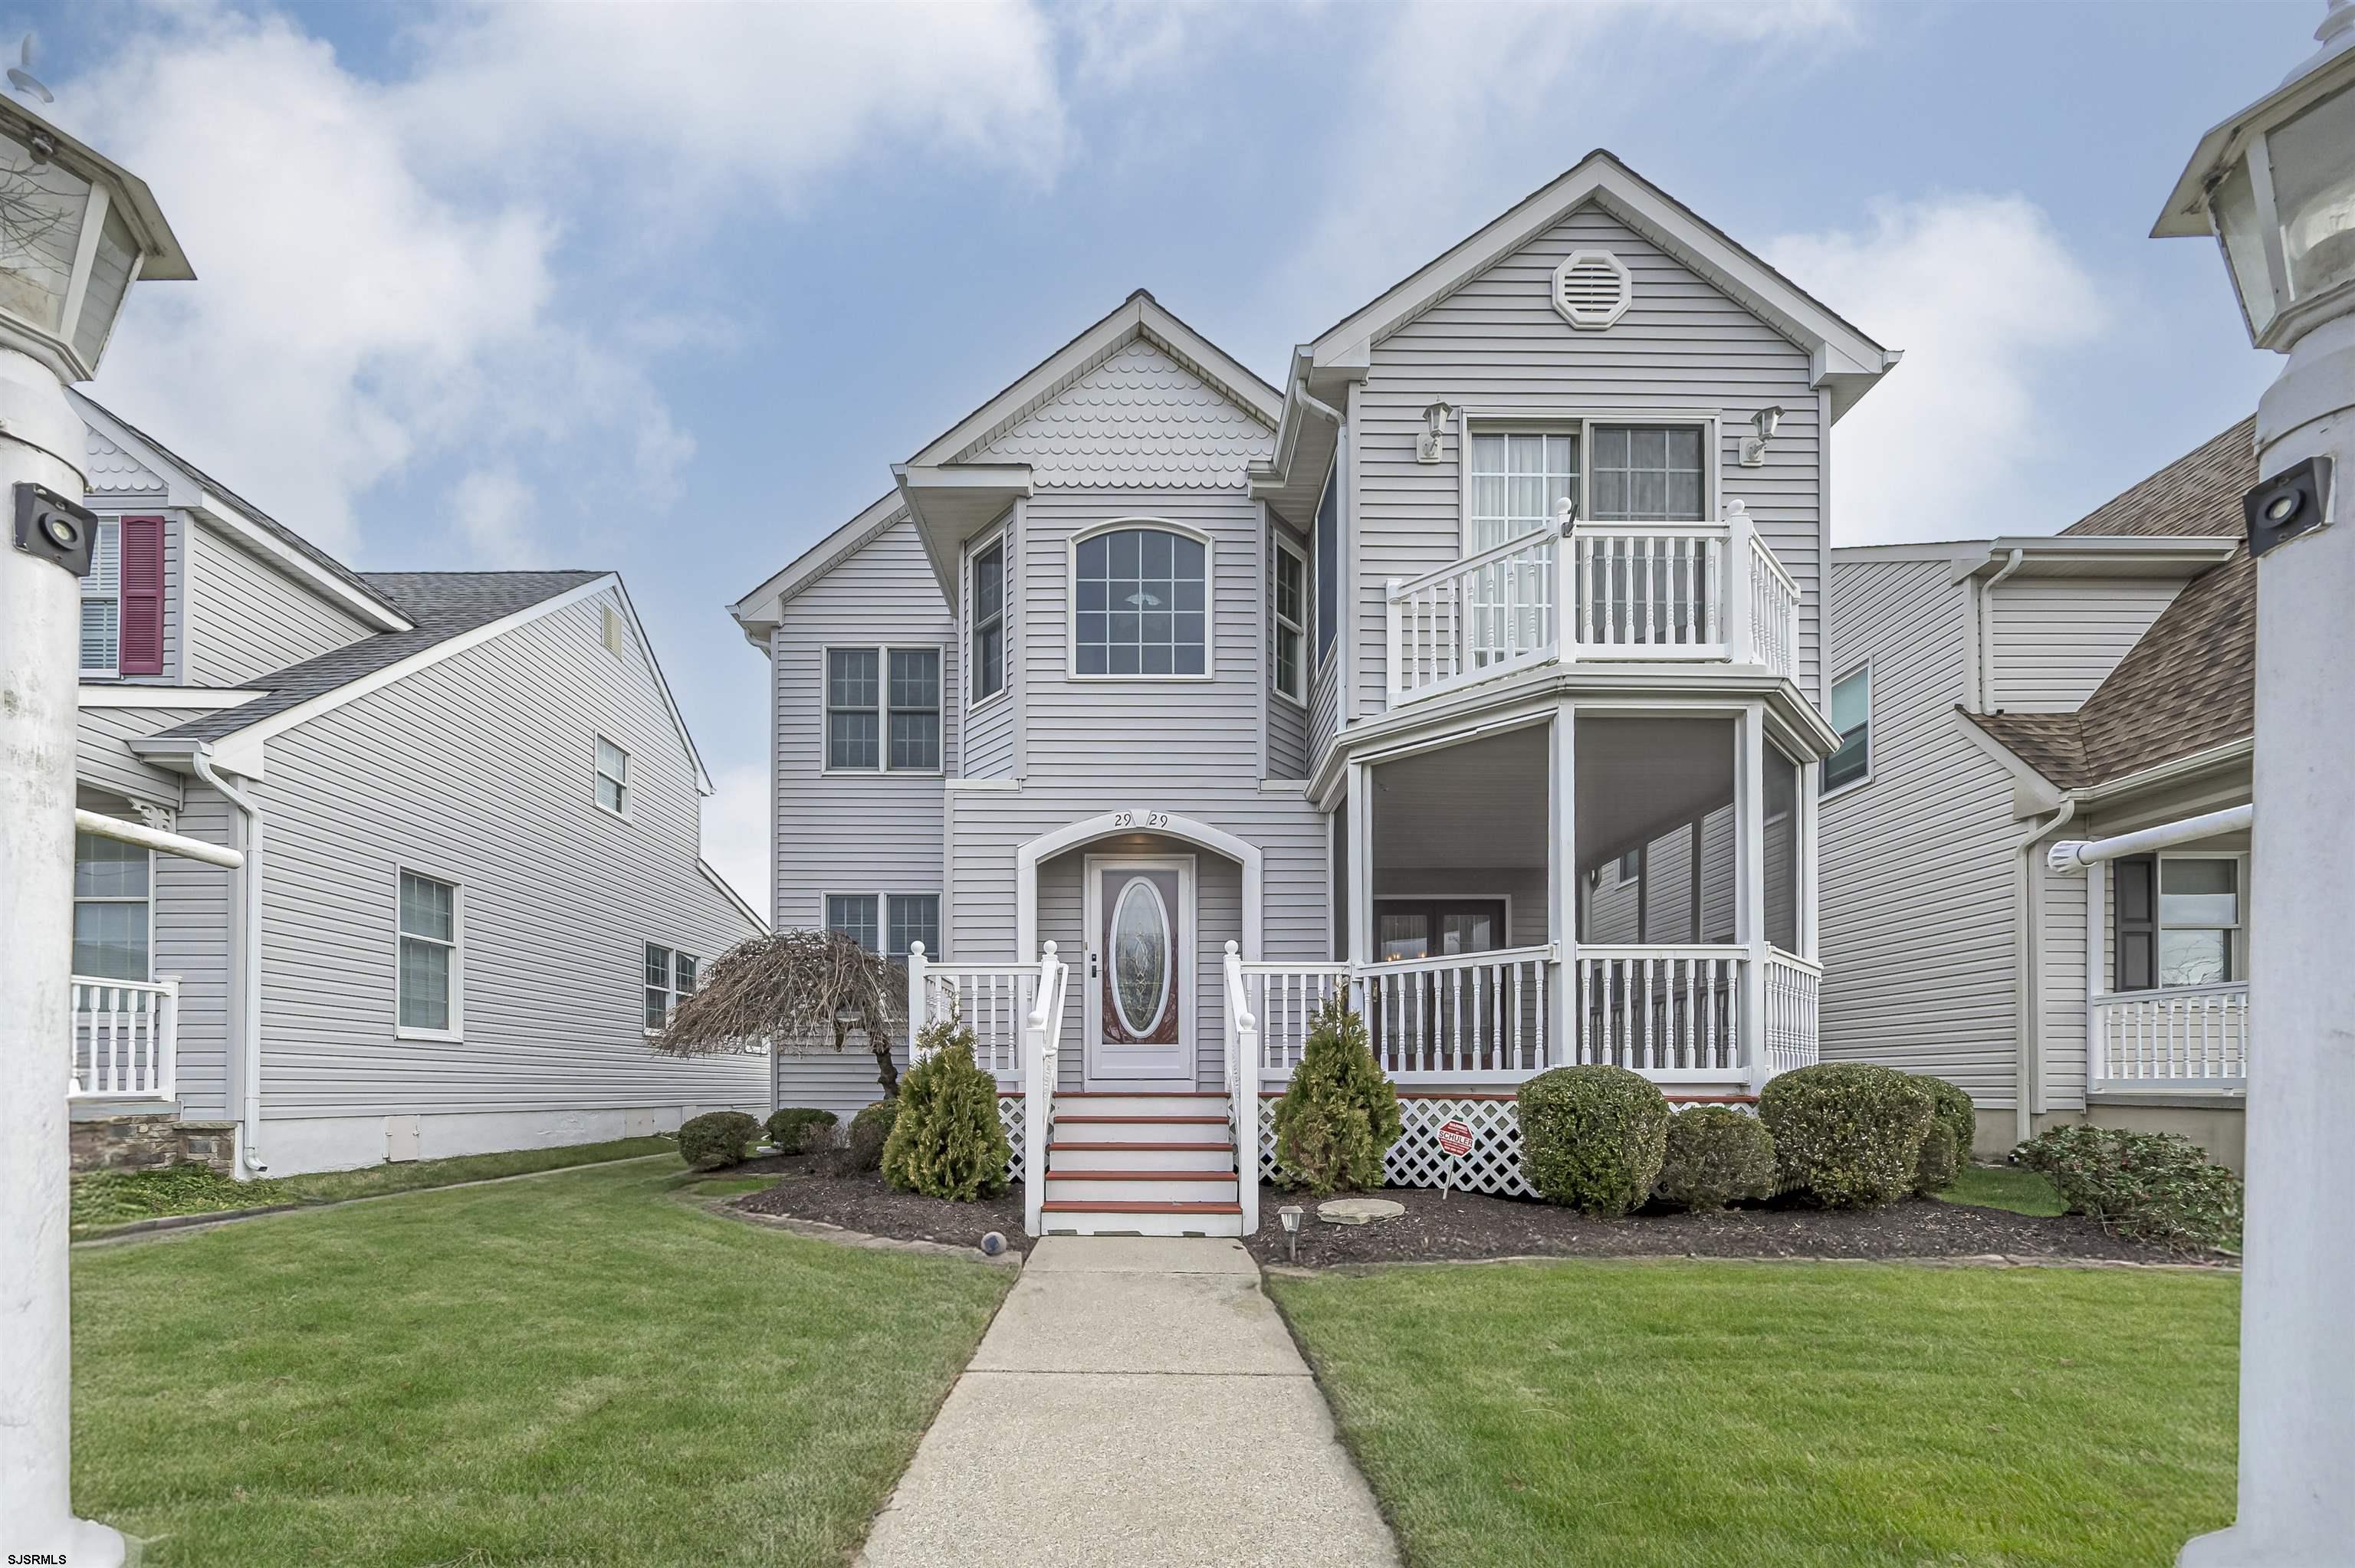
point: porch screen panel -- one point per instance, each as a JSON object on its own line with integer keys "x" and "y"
{"x": 1782, "y": 803}
{"x": 1654, "y": 830}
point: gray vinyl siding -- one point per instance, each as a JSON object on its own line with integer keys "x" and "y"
{"x": 1287, "y": 720}
{"x": 856, "y": 833}
{"x": 1325, "y": 708}
{"x": 480, "y": 770}
{"x": 1496, "y": 344}
{"x": 988, "y": 744}
{"x": 2056, "y": 638}
{"x": 102, "y": 756}
{"x": 1916, "y": 891}
{"x": 191, "y": 924}
{"x": 2061, "y": 1000}
{"x": 247, "y": 619}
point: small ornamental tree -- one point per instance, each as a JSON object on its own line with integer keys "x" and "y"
{"x": 1339, "y": 1115}
{"x": 1593, "y": 1138}
{"x": 946, "y": 1141}
{"x": 796, "y": 991}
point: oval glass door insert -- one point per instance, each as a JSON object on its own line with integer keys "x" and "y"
{"x": 1140, "y": 956}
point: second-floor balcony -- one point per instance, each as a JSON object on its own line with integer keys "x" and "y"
{"x": 1703, "y": 592}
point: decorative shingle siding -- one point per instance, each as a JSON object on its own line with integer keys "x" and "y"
{"x": 114, "y": 472}
{"x": 1138, "y": 418}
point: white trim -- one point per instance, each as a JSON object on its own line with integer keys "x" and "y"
{"x": 882, "y": 652}
{"x": 670, "y": 986}
{"x": 753, "y": 916}
{"x": 1862, "y": 667}
{"x": 1512, "y": 420}
{"x": 456, "y": 1031}
{"x": 1047, "y": 845}
{"x": 1071, "y": 599}
{"x": 1275, "y": 595}
{"x": 662, "y": 682}
{"x": 764, "y": 606}
{"x": 147, "y": 899}
{"x": 1583, "y": 320}
{"x": 207, "y": 699}
{"x": 980, "y": 545}
{"x": 599, "y": 776}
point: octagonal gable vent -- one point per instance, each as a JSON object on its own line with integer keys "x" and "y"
{"x": 1591, "y": 289}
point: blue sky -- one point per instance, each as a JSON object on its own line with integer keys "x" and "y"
{"x": 667, "y": 290}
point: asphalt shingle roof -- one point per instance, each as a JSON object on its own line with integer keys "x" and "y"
{"x": 2190, "y": 683}
{"x": 442, "y": 604}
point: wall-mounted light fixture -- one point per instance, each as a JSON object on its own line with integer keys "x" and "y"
{"x": 1435, "y": 426}
{"x": 1767, "y": 422}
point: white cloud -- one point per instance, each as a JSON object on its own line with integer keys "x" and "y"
{"x": 1977, "y": 291}
{"x": 736, "y": 832}
{"x": 493, "y": 511}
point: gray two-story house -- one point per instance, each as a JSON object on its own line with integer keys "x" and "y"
{"x": 468, "y": 814}
{"x": 1472, "y": 668}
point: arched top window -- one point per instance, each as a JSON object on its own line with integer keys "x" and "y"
{"x": 1140, "y": 599}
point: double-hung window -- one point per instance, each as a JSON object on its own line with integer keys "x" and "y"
{"x": 883, "y": 710}
{"x": 1646, "y": 474}
{"x": 1851, "y": 716}
{"x": 887, "y": 923}
{"x": 431, "y": 980}
{"x": 1142, "y": 604}
{"x": 987, "y": 642}
{"x": 613, "y": 777}
{"x": 101, "y": 602}
{"x": 2178, "y": 921}
{"x": 670, "y": 976}
{"x": 110, "y": 908}
{"x": 853, "y": 914}
{"x": 1291, "y": 640}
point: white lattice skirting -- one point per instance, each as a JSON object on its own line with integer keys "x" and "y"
{"x": 1414, "y": 1161}
{"x": 1010, "y": 1115}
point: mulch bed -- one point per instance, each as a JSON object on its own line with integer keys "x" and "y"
{"x": 862, "y": 1202}
{"x": 1469, "y": 1225}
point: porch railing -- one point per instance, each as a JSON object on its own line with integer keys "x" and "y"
{"x": 1637, "y": 590}
{"x": 1664, "y": 1010}
{"x": 992, "y": 999}
{"x": 124, "y": 1039}
{"x": 1474, "y": 1016}
{"x": 1792, "y": 990}
{"x": 1042, "y": 1040}
{"x": 1283, "y": 1000}
{"x": 2196, "y": 1035}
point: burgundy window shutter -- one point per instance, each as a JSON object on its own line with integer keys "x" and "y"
{"x": 143, "y": 596}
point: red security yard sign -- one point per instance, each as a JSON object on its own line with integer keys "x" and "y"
{"x": 1455, "y": 1142}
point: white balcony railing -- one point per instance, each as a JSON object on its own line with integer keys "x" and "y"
{"x": 2192, "y": 1036}
{"x": 1698, "y": 592}
{"x": 124, "y": 1039}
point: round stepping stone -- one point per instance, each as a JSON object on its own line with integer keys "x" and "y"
{"x": 1358, "y": 1210}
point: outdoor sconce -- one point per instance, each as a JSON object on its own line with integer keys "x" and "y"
{"x": 1767, "y": 422}
{"x": 1434, "y": 425}
{"x": 1290, "y": 1216}
{"x": 2275, "y": 186}
{"x": 76, "y": 231}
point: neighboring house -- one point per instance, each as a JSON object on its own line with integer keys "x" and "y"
{"x": 1998, "y": 697}
{"x": 475, "y": 812}
{"x": 1156, "y": 661}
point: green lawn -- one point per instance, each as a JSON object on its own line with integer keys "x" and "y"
{"x": 106, "y": 1198}
{"x": 580, "y": 1369}
{"x": 1799, "y": 1415}
{"x": 2005, "y": 1186}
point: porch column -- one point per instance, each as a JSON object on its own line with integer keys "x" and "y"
{"x": 1749, "y": 890}
{"x": 1361, "y": 864}
{"x": 2097, "y": 964}
{"x": 1561, "y": 885}
{"x": 1810, "y": 859}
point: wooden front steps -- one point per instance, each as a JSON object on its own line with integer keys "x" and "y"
{"x": 1151, "y": 1164}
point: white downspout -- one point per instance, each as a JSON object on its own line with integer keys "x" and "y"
{"x": 249, "y": 966}
{"x": 2025, "y": 913}
{"x": 1987, "y": 631}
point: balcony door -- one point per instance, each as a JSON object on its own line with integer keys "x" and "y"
{"x": 1140, "y": 971}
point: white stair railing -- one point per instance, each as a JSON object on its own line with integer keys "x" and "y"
{"x": 1283, "y": 999}
{"x": 1242, "y": 1088}
{"x": 992, "y": 999}
{"x": 1482, "y": 616}
{"x": 1042, "y": 1036}
{"x": 124, "y": 1039}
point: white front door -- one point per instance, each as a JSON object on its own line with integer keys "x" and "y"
{"x": 1140, "y": 970}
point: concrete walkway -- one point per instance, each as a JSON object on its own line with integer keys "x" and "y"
{"x": 1137, "y": 1401}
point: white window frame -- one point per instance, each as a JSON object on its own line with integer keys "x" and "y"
{"x": 108, "y": 528}
{"x": 80, "y": 899}
{"x": 882, "y": 652}
{"x": 1583, "y": 424}
{"x": 2236, "y": 935}
{"x": 1861, "y": 667}
{"x": 1299, "y": 629}
{"x": 671, "y": 989}
{"x": 1000, "y": 541}
{"x": 1209, "y": 601}
{"x": 621, "y": 784}
{"x": 456, "y": 944}
{"x": 883, "y": 914}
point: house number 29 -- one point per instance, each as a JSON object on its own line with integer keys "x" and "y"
{"x": 1134, "y": 819}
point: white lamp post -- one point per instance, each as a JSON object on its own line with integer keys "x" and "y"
{"x": 75, "y": 232}
{"x": 2275, "y": 185}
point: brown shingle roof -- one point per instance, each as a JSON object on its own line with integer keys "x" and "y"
{"x": 2190, "y": 683}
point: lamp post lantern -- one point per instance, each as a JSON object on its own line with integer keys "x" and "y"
{"x": 76, "y": 231}
{"x": 2275, "y": 186}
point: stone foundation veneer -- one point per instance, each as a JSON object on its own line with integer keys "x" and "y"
{"x": 152, "y": 1141}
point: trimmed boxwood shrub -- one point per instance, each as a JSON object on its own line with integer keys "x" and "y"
{"x": 947, "y": 1141}
{"x": 1593, "y": 1138}
{"x": 869, "y": 1130}
{"x": 1339, "y": 1115}
{"x": 785, "y": 1126}
{"x": 716, "y": 1140}
{"x": 1951, "y": 1110}
{"x": 1848, "y": 1134}
{"x": 1715, "y": 1155}
{"x": 2158, "y": 1186}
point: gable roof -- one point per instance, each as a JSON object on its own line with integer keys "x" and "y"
{"x": 262, "y": 533}
{"x": 2189, "y": 683}
{"x": 757, "y": 611}
{"x": 1843, "y": 358}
